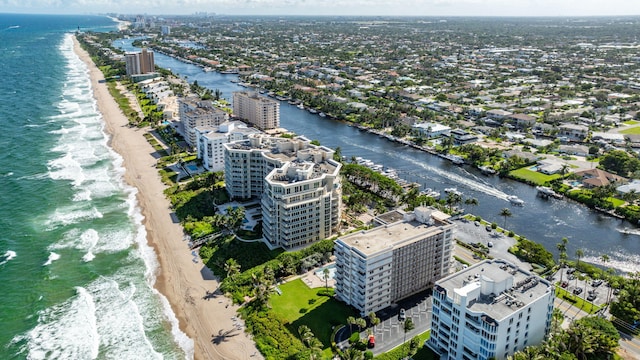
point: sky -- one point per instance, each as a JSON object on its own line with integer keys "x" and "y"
{"x": 330, "y": 7}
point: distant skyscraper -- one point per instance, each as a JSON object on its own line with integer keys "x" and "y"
{"x": 260, "y": 111}
{"x": 165, "y": 30}
{"x": 139, "y": 63}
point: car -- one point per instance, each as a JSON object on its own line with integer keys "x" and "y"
{"x": 402, "y": 316}
{"x": 577, "y": 291}
{"x": 476, "y": 223}
{"x": 592, "y": 296}
{"x": 571, "y": 277}
{"x": 596, "y": 283}
{"x": 571, "y": 271}
{"x": 490, "y": 244}
{"x": 371, "y": 343}
{"x": 564, "y": 284}
{"x": 488, "y": 228}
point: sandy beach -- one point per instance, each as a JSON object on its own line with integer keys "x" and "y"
{"x": 211, "y": 322}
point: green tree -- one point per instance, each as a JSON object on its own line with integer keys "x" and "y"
{"x": 579, "y": 255}
{"x": 562, "y": 254}
{"x": 374, "y": 320}
{"x": 505, "y": 213}
{"x": 232, "y": 267}
{"x": 325, "y": 274}
{"x": 406, "y": 327}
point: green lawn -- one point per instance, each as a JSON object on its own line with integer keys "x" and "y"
{"x": 301, "y": 305}
{"x": 424, "y": 353}
{"x": 630, "y": 122}
{"x": 577, "y": 301}
{"x": 631, "y": 131}
{"x": 615, "y": 201}
{"x": 533, "y": 176}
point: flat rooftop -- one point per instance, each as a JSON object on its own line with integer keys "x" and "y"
{"x": 522, "y": 288}
{"x": 392, "y": 235}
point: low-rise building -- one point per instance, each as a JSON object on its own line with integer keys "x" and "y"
{"x": 378, "y": 267}
{"x": 431, "y": 130}
{"x": 489, "y": 311}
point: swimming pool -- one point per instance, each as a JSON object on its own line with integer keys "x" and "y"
{"x": 192, "y": 168}
{"x": 332, "y": 271}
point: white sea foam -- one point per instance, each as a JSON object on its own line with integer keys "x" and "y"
{"x": 91, "y": 242}
{"x": 65, "y": 331}
{"x": 71, "y": 215}
{"x": 8, "y": 256}
{"x": 126, "y": 307}
{"x": 52, "y": 257}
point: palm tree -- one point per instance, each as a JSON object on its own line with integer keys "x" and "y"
{"x": 325, "y": 274}
{"x": 375, "y": 320}
{"x": 351, "y": 321}
{"x": 361, "y": 323}
{"x": 352, "y": 354}
{"x": 407, "y": 326}
{"x": 562, "y": 254}
{"x": 232, "y": 267}
{"x": 471, "y": 201}
{"x": 305, "y": 334}
{"x": 579, "y": 255}
{"x": 505, "y": 212}
{"x": 605, "y": 260}
{"x": 453, "y": 199}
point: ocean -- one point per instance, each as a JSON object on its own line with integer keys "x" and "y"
{"x": 76, "y": 272}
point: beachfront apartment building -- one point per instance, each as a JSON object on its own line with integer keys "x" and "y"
{"x": 196, "y": 113}
{"x": 403, "y": 256}
{"x": 211, "y": 138}
{"x": 137, "y": 63}
{"x": 489, "y": 311}
{"x": 262, "y": 112}
{"x": 298, "y": 183}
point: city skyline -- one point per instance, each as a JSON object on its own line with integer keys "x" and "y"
{"x": 329, "y": 7}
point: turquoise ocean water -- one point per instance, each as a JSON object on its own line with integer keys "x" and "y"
{"x": 76, "y": 272}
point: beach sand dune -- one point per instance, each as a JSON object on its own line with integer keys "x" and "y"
{"x": 210, "y": 321}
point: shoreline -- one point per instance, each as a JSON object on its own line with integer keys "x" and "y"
{"x": 210, "y": 323}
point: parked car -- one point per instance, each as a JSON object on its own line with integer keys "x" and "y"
{"x": 371, "y": 343}
{"x": 476, "y": 223}
{"x": 564, "y": 284}
{"x": 490, "y": 244}
{"x": 488, "y": 228}
{"x": 596, "y": 283}
{"x": 571, "y": 271}
{"x": 402, "y": 316}
{"x": 592, "y": 296}
{"x": 577, "y": 291}
{"x": 571, "y": 277}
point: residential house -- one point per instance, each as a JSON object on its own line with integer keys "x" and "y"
{"x": 594, "y": 178}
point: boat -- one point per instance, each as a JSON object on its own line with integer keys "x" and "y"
{"x": 515, "y": 200}
{"x": 322, "y": 114}
{"x": 487, "y": 170}
{"x": 313, "y": 111}
{"x": 547, "y": 191}
{"x": 301, "y": 106}
{"x": 453, "y": 191}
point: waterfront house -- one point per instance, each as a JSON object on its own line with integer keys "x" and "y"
{"x": 594, "y": 178}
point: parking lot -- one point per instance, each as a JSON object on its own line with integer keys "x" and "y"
{"x": 595, "y": 291}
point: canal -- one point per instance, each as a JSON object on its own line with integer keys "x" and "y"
{"x": 545, "y": 221}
